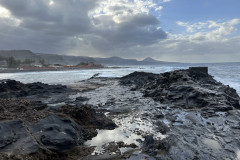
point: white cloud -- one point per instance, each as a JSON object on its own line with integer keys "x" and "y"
{"x": 126, "y": 28}
{"x": 167, "y": 0}
{"x": 121, "y": 10}
{"x": 7, "y": 18}
{"x": 104, "y": 25}
{"x": 210, "y": 30}
{"x": 4, "y": 12}
{"x": 184, "y": 50}
{"x": 51, "y": 3}
{"x": 209, "y": 41}
{"x": 192, "y": 27}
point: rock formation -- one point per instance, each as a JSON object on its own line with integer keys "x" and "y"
{"x": 185, "y": 88}
{"x": 29, "y": 129}
{"x": 183, "y": 114}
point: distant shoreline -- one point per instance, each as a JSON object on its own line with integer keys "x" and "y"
{"x": 50, "y": 69}
{"x": 55, "y": 69}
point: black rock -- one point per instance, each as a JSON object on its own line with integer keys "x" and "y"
{"x": 159, "y": 115}
{"x": 43, "y": 134}
{"x": 81, "y": 99}
{"x": 138, "y": 79}
{"x": 166, "y": 143}
{"x": 16, "y": 139}
{"x": 184, "y": 88}
{"x": 15, "y": 89}
{"x": 148, "y": 141}
{"x": 162, "y": 127}
{"x": 58, "y": 133}
{"x": 86, "y": 116}
{"x": 8, "y": 133}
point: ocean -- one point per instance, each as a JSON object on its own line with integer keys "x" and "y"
{"x": 227, "y": 73}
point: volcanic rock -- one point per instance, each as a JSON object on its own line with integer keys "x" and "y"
{"x": 86, "y": 116}
{"x": 138, "y": 79}
{"x": 185, "y": 88}
{"x": 15, "y": 89}
{"x": 30, "y": 132}
{"x": 58, "y": 133}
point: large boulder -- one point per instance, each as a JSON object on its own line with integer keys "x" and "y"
{"x": 58, "y": 133}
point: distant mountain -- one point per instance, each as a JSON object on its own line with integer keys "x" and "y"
{"x": 19, "y": 54}
{"x": 116, "y": 61}
{"x": 149, "y": 59}
{"x": 51, "y": 58}
{"x": 73, "y": 60}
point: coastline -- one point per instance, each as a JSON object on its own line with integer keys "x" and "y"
{"x": 158, "y": 116}
{"x": 58, "y": 69}
{"x": 49, "y": 69}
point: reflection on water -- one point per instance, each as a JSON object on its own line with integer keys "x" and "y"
{"x": 212, "y": 143}
{"x": 238, "y": 155}
{"x": 116, "y": 135}
{"x": 130, "y": 130}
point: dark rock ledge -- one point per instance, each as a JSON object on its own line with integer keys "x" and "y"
{"x": 185, "y": 89}
{"x": 30, "y": 130}
{"x": 202, "y": 115}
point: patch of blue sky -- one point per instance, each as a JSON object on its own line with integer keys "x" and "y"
{"x": 194, "y": 11}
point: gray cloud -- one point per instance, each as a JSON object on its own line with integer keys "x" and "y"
{"x": 138, "y": 30}
{"x": 52, "y": 27}
{"x": 64, "y": 17}
{"x": 121, "y": 29}
{"x": 184, "y": 50}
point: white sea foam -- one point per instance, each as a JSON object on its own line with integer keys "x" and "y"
{"x": 228, "y": 74}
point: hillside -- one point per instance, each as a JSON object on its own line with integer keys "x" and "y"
{"x": 19, "y": 54}
{"x": 73, "y": 60}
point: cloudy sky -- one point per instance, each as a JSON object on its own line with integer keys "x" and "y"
{"x": 168, "y": 30}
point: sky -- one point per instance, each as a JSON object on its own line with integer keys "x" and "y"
{"x": 191, "y": 31}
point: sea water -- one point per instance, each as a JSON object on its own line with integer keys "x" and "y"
{"x": 227, "y": 73}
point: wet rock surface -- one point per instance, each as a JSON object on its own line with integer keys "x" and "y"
{"x": 58, "y": 133}
{"x": 201, "y": 115}
{"x": 185, "y": 88}
{"x": 33, "y": 130}
{"x": 200, "y": 126}
{"x": 14, "y": 89}
{"x": 81, "y": 116}
{"x": 175, "y": 115}
{"x": 138, "y": 79}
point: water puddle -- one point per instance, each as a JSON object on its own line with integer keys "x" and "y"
{"x": 238, "y": 155}
{"x": 56, "y": 105}
{"x": 212, "y": 143}
{"x": 116, "y": 135}
{"x": 180, "y": 119}
{"x": 131, "y": 130}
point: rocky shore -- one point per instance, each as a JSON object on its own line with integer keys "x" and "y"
{"x": 182, "y": 114}
{"x": 32, "y": 129}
